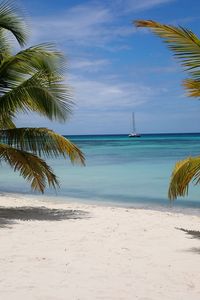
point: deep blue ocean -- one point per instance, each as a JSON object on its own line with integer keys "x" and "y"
{"x": 119, "y": 169}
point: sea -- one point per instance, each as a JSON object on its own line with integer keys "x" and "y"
{"x": 123, "y": 171}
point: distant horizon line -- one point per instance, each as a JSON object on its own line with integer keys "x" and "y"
{"x": 156, "y": 133}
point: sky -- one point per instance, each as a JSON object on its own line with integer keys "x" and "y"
{"x": 115, "y": 68}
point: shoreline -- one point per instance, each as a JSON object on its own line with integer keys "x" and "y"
{"x": 54, "y": 199}
{"x": 82, "y": 251}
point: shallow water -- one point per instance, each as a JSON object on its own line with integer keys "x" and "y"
{"x": 119, "y": 169}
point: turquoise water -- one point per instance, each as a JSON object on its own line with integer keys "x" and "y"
{"x": 119, "y": 169}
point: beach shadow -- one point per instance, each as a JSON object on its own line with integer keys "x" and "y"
{"x": 4, "y": 223}
{"x": 194, "y": 234}
{"x": 10, "y": 215}
{"x": 194, "y": 250}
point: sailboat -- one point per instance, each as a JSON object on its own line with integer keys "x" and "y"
{"x": 133, "y": 134}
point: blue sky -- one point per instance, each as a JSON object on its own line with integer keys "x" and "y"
{"x": 114, "y": 68}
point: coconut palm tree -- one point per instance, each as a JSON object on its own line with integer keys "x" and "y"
{"x": 186, "y": 48}
{"x": 31, "y": 81}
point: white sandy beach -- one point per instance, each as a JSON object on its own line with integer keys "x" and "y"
{"x": 111, "y": 253}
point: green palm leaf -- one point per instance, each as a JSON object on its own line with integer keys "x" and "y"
{"x": 185, "y": 171}
{"x": 10, "y": 20}
{"x": 186, "y": 47}
{"x": 39, "y": 93}
{"x": 42, "y": 141}
{"x": 183, "y": 42}
{"x": 6, "y": 121}
{"x": 32, "y": 80}
{"x": 35, "y": 58}
{"x": 193, "y": 87}
{"x": 37, "y": 74}
{"x": 31, "y": 167}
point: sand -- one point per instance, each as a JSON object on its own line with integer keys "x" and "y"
{"x": 107, "y": 253}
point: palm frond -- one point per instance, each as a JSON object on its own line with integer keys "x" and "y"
{"x": 5, "y": 47}
{"x": 40, "y": 93}
{"x": 183, "y": 42}
{"x": 36, "y": 72}
{"x": 42, "y": 141}
{"x": 192, "y": 87}
{"x": 36, "y": 58}
{"x": 32, "y": 80}
{"x": 11, "y": 20}
{"x": 31, "y": 167}
{"x": 6, "y": 121}
{"x": 185, "y": 171}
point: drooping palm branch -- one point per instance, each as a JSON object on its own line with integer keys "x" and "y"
{"x": 30, "y": 166}
{"x": 11, "y": 20}
{"x": 32, "y": 80}
{"x": 28, "y": 61}
{"x": 186, "y": 47}
{"x": 49, "y": 97}
{"x": 6, "y": 121}
{"x": 21, "y": 148}
{"x": 184, "y": 172}
{"x": 182, "y": 41}
{"x": 41, "y": 141}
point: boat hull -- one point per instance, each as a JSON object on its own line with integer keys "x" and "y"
{"x": 134, "y": 135}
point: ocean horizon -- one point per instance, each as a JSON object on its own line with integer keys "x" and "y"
{"x": 120, "y": 170}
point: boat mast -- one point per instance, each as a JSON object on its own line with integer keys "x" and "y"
{"x": 133, "y": 120}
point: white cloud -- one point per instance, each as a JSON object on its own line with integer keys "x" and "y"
{"x": 183, "y": 21}
{"x": 110, "y": 94}
{"x": 81, "y": 30}
{"x": 110, "y": 98}
{"x": 90, "y": 65}
{"x": 81, "y": 25}
{"x": 128, "y": 6}
{"x": 90, "y": 24}
{"x": 159, "y": 70}
{"x": 147, "y": 4}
